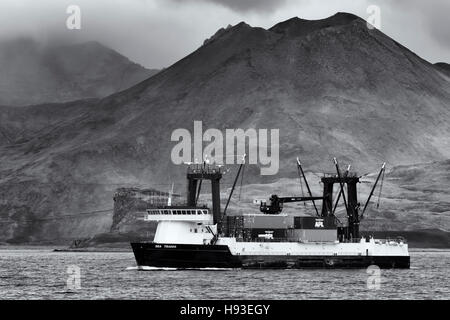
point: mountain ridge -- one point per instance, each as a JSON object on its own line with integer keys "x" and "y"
{"x": 444, "y": 67}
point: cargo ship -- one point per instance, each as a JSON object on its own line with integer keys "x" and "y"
{"x": 193, "y": 236}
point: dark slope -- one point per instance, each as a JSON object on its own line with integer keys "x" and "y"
{"x": 443, "y": 67}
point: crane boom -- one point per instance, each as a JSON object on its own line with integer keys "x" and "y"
{"x": 299, "y": 166}
{"x": 234, "y": 184}
{"x": 276, "y": 203}
{"x": 373, "y": 188}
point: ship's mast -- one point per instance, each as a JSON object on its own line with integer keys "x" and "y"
{"x": 340, "y": 192}
{"x": 195, "y": 175}
{"x": 350, "y": 200}
{"x": 351, "y": 203}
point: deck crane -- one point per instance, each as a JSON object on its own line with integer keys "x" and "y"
{"x": 383, "y": 169}
{"x": 276, "y": 203}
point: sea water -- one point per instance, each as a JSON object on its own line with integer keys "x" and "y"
{"x": 44, "y": 274}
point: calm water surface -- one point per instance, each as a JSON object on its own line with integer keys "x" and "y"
{"x": 42, "y": 274}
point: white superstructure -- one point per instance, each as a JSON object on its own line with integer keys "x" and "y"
{"x": 182, "y": 225}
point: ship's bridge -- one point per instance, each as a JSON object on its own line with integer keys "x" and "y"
{"x": 179, "y": 214}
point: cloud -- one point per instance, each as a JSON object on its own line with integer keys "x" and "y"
{"x": 244, "y": 5}
{"x": 436, "y": 18}
{"x": 154, "y": 33}
{"x": 431, "y": 15}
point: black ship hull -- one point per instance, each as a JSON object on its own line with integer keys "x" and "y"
{"x": 186, "y": 256}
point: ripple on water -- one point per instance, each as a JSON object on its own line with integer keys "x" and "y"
{"x": 42, "y": 274}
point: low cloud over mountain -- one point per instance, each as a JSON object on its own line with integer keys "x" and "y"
{"x": 31, "y": 73}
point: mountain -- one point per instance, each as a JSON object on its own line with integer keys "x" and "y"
{"x": 32, "y": 73}
{"x": 444, "y": 67}
{"x": 333, "y": 87}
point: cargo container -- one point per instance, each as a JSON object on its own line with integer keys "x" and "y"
{"x": 312, "y": 235}
{"x": 275, "y": 233}
{"x": 261, "y": 221}
{"x": 314, "y": 223}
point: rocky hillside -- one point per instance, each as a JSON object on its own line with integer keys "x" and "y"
{"x": 32, "y": 73}
{"x": 333, "y": 87}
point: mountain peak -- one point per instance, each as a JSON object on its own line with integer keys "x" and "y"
{"x": 240, "y": 26}
{"x": 294, "y": 26}
{"x": 444, "y": 67}
{"x": 298, "y": 27}
{"x": 344, "y": 16}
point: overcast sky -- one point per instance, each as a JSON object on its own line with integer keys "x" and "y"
{"x": 157, "y": 33}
